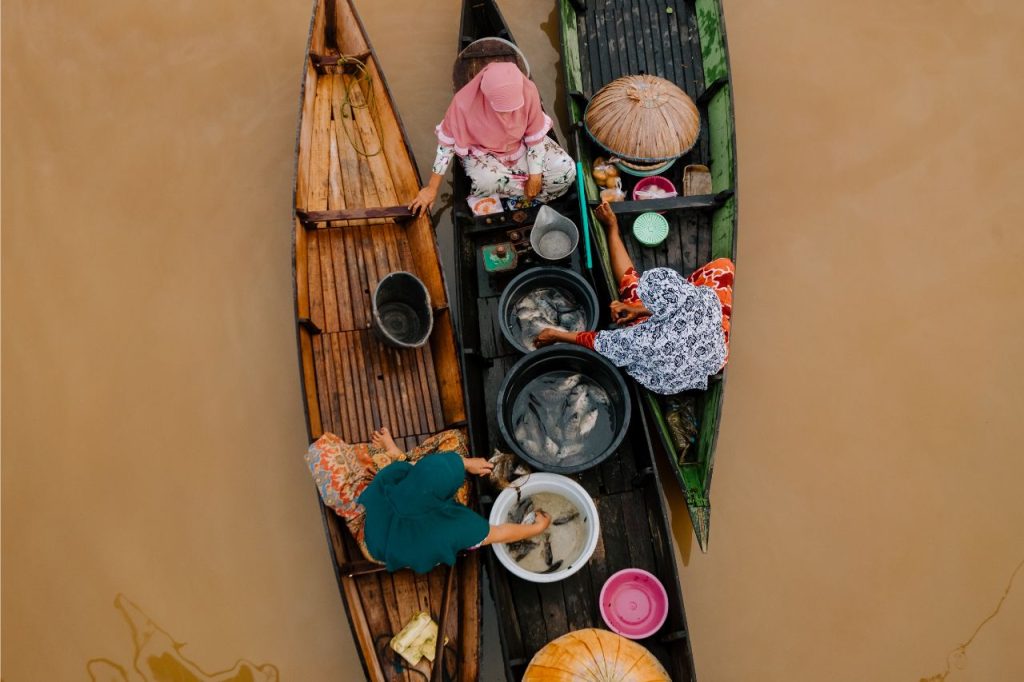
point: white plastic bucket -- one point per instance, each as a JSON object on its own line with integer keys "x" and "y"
{"x": 547, "y": 483}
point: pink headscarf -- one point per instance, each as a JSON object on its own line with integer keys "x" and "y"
{"x": 498, "y": 112}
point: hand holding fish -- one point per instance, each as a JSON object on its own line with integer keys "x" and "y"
{"x": 541, "y": 521}
{"x": 478, "y": 466}
{"x": 550, "y": 335}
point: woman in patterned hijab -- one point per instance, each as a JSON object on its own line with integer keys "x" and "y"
{"x": 674, "y": 332}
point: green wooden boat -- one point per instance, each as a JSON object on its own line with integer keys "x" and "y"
{"x": 685, "y": 43}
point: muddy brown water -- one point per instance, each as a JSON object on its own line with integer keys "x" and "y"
{"x": 867, "y": 519}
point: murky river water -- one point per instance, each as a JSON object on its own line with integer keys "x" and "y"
{"x": 867, "y": 486}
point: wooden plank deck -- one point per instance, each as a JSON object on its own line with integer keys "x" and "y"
{"x": 362, "y": 383}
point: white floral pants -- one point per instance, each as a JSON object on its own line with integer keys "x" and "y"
{"x": 491, "y": 176}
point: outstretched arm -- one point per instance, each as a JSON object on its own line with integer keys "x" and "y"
{"x": 424, "y": 201}
{"x": 513, "y": 532}
{"x": 550, "y": 335}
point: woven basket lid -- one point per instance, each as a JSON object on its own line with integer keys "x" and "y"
{"x": 643, "y": 119}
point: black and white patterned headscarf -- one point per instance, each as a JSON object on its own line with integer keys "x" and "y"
{"x": 680, "y": 345}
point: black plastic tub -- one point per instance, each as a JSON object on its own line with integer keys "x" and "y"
{"x": 522, "y": 284}
{"x": 401, "y": 310}
{"x": 560, "y": 360}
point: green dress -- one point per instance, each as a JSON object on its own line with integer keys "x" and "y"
{"x": 412, "y": 520}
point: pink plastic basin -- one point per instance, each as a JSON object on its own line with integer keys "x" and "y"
{"x": 634, "y": 603}
{"x": 658, "y": 181}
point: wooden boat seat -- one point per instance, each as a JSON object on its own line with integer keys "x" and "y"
{"x": 310, "y": 219}
{"x": 702, "y": 202}
{"x": 322, "y": 61}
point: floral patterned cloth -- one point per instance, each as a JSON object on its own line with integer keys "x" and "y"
{"x": 343, "y": 471}
{"x": 719, "y": 274}
{"x": 684, "y": 341}
{"x": 490, "y": 175}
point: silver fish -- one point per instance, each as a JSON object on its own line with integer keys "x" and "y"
{"x": 521, "y": 510}
{"x": 566, "y": 518}
{"x": 507, "y": 467}
{"x": 573, "y": 321}
{"x": 561, "y": 302}
{"x": 519, "y": 550}
{"x": 530, "y": 434}
{"x": 568, "y": 383}
{"x": 580, "y": 411}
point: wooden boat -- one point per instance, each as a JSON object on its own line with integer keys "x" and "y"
{"x": 354, "y": 178}
{"x": 635, "y": 529}
{"x": 685, "y": 43}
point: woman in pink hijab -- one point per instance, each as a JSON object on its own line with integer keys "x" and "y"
{"x": 497, "y": 127}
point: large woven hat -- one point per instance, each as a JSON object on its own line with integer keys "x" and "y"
{"x": 593, "y": 655}
{"x": 644, "y": 119}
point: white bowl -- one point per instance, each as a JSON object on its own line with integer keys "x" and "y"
{"x": 547, "y": 483}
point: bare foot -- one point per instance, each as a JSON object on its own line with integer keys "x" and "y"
{"x": 382, "y": 439}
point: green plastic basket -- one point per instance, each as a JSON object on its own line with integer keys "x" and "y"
{"x": 650, "y": 228}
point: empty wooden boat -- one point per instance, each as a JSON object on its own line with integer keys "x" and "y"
{"x": 354, "y": 178}
{"x": 631, "y": 504}
{"x": 683, "y": 42}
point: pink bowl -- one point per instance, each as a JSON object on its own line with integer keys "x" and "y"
{"x": 634, "y": 603}
{"x": 658, "y": 181}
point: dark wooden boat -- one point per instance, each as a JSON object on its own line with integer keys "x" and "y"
{"x": 635, "y": 529}
{"x": 355, "y": 176}
{"x": 683, "y": 42}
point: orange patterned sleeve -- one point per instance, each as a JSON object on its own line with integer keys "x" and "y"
{"x": 586, "y": 339}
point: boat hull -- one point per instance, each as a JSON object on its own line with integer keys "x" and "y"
{"x": 354, "y": 177}
{"x": 601, "y": 41}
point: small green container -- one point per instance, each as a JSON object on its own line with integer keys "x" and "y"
{"x": 650, "y": 228}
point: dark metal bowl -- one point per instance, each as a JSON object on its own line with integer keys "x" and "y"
{"x": 537, "y": 278}
{"x": 563, "y": 358}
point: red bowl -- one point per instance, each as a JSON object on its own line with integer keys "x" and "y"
{"x": 634, "y": 603}
{"x": 658, "y": 181}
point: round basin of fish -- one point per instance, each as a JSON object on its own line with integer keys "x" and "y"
{"x": 563, "y": 408}
{"x": 401, "y": 310}
{"x": 568, "y": 543}
{"x": 545, "y": 297}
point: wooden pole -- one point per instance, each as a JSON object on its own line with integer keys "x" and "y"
{"x": 442, "y": 623}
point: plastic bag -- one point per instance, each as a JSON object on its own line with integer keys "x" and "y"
{"x": 605, "y": 174}
{"x": 613, "y": 193}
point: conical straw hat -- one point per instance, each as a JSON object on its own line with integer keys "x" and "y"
{"x": 593, "y": 655}
{"x": 643, "y": 119}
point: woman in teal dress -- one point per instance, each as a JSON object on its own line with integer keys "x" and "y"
{"x": 413, "y": 519}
